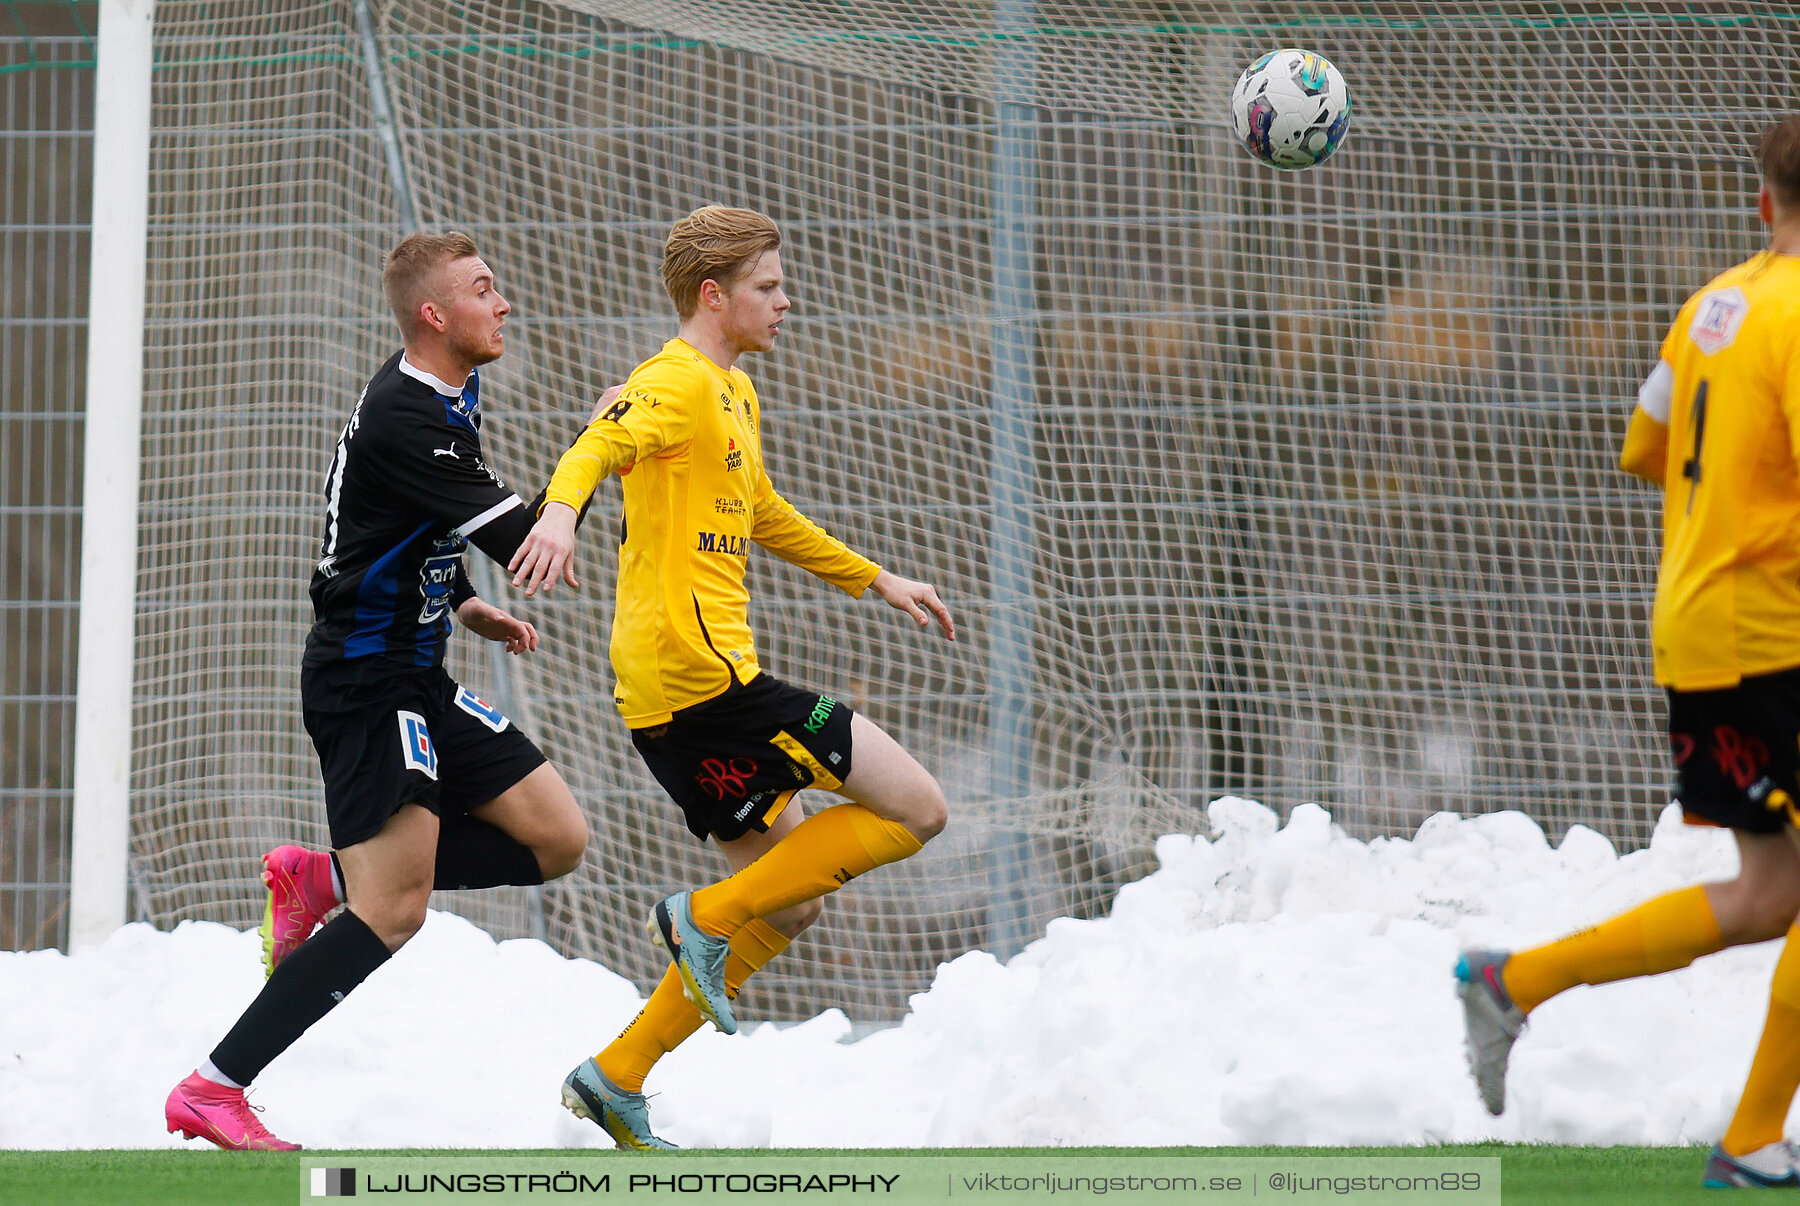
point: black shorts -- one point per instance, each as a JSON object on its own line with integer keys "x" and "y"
{"x": 733, "y": 762}
{"x": 408, "y": 738}
{"x": 1735, "y": 752}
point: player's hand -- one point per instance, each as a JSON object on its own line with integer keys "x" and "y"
{"x": 605, "y": 402}
{"x": 548, "y": 553}
{"x": 484, "y": 619}
{"x": 917, "y": 599}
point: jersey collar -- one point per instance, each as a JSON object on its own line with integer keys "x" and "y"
{"x": 418, "y": 374}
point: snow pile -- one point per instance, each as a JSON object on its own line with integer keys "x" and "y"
{"x": 1274, "y": 985}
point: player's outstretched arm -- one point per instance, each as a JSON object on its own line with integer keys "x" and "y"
{"x": 485, "y": 620}
{"x": 547, "y": 553}
{"x": 917, "y": 599}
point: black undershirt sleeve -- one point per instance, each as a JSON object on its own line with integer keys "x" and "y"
{"x": 461, "y": 589}
{"x": 501, "y": 536}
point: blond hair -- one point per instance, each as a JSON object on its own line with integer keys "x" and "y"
{"x": 1778, "y": 155}
{"x": 713, "y": 243}
{"x": 408, "y": 276}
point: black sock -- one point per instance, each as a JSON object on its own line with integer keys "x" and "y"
{"x": 305, "y": 987}
{"x": 475, "y": 854}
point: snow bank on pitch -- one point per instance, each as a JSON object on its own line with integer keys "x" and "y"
{"x": 1274, "y": 985}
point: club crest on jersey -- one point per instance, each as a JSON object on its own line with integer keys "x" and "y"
{"x": 481, "y": 709}
{"x": 467, "y": 405}
{"x": 1717, "y": 317}
{"x": 415, "y": 744}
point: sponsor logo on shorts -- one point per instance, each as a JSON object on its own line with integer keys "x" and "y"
{"x": 415, "y": 744}
{"x": 1740, "y": 758}
{"x": 808, "y": 770}
{"x": 719, "y": 778}
{"x": 749, "y": 806}
{"x": 820, "y": 714}
{"x": 481, "y": 709}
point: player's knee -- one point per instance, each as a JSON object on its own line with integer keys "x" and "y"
{"x": 396, "y": 917}
{"x": 561, "y": 852}
{"x": 1774, "y": 915}
{"x": 930, "y": 812}
{"x": 1748, "y": 911}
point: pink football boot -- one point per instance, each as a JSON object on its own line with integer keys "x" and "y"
{"x": 300, "y": 894}
{"x": 199, "y": 1109}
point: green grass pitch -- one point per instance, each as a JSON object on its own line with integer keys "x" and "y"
{"x": 1626, "y": 1176}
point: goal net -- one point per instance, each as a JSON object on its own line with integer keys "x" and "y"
{"x": 1299, "y": 487}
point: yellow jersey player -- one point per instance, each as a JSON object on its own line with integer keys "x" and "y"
{"x": 1717, "y": 426}
{"x": 730, "y": 743}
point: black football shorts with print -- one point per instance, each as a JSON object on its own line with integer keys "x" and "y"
{"x": 407, "y": 738}
{"x": 733, "y": 762}
{"x": 1737, "y": 751}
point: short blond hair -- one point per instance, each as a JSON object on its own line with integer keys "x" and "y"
{"x": 715, "y": 243}
{"x": 406, "y": 278}
{"x": 1778, "y": 155}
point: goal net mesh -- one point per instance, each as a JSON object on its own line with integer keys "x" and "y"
{"x": 1299, "y": 487}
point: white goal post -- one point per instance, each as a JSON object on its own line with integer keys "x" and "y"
{"x": 100, "y": 846}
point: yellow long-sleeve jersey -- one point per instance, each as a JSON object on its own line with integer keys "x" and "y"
{"x": 685, "y": 435}
{"x": 1717, "y": 425}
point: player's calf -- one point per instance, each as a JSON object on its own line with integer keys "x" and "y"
{"x": 792, "y": 922}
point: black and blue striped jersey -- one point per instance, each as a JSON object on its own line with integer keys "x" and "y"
{"x": 407, "y": 492}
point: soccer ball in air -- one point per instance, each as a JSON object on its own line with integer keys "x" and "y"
{"x": 1290, "y": 109}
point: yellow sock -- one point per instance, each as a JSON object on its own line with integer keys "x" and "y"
{"x": 1775, "y": 1072}
{"x": 1659, "y": 935}
{"x": 822, "y": 854}
{"x": 668, "y": 1017}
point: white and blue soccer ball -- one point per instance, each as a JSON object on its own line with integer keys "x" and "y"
{"x": 1291, "y": 109}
